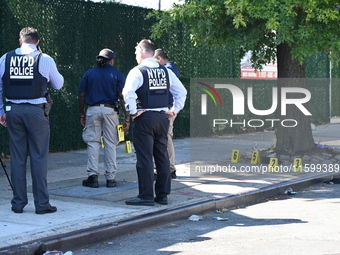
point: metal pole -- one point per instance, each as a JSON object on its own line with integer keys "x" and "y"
{"x": 330, "y": 91}
{"x": 4, "y": 167}
{"x": 159, "y": 5}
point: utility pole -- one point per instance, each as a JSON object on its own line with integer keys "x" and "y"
{"x": 159, "y": 5}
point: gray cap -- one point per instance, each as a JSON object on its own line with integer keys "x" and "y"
{"x": 106, "y": 53}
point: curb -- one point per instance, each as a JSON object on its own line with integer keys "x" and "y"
{"x": 101, "y": 233}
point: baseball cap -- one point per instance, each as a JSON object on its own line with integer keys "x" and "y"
{"x": 106, "y": 53}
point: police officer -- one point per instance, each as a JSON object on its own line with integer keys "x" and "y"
{"x": 162, "y": 58}
{"x": 146, "y": 97}
{"x": 25, "y": 74}
{"x": 100, "y": 89}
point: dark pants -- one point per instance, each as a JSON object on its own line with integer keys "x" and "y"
{"x": 150, "y": 142}
{"x": 29, "y": 132}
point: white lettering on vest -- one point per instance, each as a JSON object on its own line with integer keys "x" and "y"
{"x": 21, "y": 67}
{"x": 157, "y": 78}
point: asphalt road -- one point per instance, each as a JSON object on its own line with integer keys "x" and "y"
{"x": 304, "y": 223}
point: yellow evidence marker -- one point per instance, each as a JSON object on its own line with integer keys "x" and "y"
{"x": 128, "y": 148}
{"x": 297, "y": 165}
{"x": 273, "y": 164}
{"x": 235, "y": 156}
{"x": 120, "y": 133}
{"x": 255, "y": 157}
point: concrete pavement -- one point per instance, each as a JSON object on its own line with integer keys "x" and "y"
{"x": 86, "y": 215}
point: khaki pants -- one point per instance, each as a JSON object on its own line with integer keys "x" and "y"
{"x": 171, "y": 149}
{"x": 101, "y": 121}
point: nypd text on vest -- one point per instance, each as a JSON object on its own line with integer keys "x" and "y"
{"x": 157, "y": 78}
{"x": 21, "y": 67}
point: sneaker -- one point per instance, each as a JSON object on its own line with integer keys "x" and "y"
{"x": 111, "y": 183}
{"x": 173, "y": 175}
{"x": 91, "y": 181}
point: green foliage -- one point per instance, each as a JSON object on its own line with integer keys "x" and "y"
{"x": 74, "y": 31}
{"x": 259, "y": 25}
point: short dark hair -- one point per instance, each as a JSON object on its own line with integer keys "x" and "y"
{"x": 29, "y": 35}
{"x": 160, "y": 53}
{"x": 147, "y": 46}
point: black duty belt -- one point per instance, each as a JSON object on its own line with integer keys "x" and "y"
{"x": 40, "y": 105}
{"x": 163, "y": 112}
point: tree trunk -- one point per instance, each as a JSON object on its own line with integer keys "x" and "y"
{"x": 299, "y": 139}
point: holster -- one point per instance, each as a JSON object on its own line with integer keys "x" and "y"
{"x": 47, "y": 106}
{"x": 117, "y": 107}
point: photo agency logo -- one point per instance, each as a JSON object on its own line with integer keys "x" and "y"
{"x": 236, "y": 107}
{"x": 204, "y": 97}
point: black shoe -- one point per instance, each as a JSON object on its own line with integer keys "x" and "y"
{"x": 173, "y": 175}
{"x": 17, "y": 210}
{"x": 111, "y": 183}
{"x": 91, "y": 181}
{"x": 161, "y": 200}
{"x": 139, "y": 201}
{"x": 50, "y": 209}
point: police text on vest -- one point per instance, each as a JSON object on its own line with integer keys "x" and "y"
{"x": 21, "y": 67}
{"x": 157, "y": 78}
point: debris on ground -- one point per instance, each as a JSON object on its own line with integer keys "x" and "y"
{"x": 289, "y": 192}
{"x": 219, "y": 218}
{"x": 223, "y": 210}
{"x": 195, "y": 218}
{"x": 58, "y": 253}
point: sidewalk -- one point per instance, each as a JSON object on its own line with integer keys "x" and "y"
{"x": 87, "y": 215}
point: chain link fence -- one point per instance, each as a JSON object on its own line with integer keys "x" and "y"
{"x": 73, "y": 32}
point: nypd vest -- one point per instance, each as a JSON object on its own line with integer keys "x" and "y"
{"x": 154, "y": 93}
{"x": 22, "y": 79}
